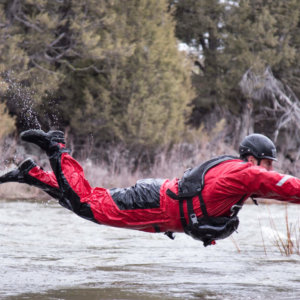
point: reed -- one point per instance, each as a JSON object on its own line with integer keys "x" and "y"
{"x": 289, "y": 243}
{"x": 262, "y": 237}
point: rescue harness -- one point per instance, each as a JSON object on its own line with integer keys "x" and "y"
{"x": 206, "y": 228}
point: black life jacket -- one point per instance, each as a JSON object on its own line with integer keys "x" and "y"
{"x": 206, "y": 228}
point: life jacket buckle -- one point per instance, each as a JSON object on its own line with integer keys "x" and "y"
{"x": 235, "y": 209}
{"x": 194, "y": 218}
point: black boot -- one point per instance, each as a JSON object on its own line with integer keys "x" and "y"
{"x": 42, "y": 139}
{"x": 18, "y": 174}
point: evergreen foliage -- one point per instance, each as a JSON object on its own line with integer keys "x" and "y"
{"x": 233, "y": 37}
{"x": 110, "y": 69}
{"x": 200, "y": 25}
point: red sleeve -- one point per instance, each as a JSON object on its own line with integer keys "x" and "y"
{"x": 271, "y": 185}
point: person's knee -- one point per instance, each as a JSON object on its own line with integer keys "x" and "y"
{"x": 81, "y": 209}
{"x": 85, "y": 212}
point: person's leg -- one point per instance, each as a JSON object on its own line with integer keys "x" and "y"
{"x": 72, "y": 182}
{"x": 28, "y": 172}
{"x": 68, "y": 172}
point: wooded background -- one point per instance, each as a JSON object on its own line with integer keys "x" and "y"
{"x": 114, "y": 73}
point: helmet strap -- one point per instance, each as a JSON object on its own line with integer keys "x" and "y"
{"x": 258, "y": 161}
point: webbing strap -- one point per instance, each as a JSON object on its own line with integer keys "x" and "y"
{"x": 182, "y": 218}
{"x": 173, "y": 195}
{"x": 191, "y": 185}
{"x": 203, "y": 206}
{"x": 238, "y": 206}
{"x": 191, "y": 213}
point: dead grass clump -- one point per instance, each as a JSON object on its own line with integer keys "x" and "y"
{"x": 289, "y": 243}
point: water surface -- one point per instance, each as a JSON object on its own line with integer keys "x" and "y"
{"x": 47, "y": 252}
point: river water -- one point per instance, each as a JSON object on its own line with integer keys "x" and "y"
{"x": 47, "y": 252}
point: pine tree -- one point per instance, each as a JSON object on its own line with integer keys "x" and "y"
{"x": 200, "y": 25}
{"x": 251, "y": 35}
{"x": 258, "y": 37}
{"x": 140, "y": 96}
{"x": 103, "y": 68}
{"x": 288, "y": 30}
{"x": 154, "y": 83}
{"x": 28, "y": 33}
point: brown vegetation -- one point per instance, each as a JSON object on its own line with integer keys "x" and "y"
{"x": 118, "y": 171}
{"x": 290, "y": 243}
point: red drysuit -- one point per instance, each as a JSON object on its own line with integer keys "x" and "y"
{"x": 225, "y": 185}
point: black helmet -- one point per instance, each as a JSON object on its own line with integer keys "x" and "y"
{"x": 259, "y": 146}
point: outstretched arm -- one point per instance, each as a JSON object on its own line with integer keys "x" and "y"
{"x": 272, "y": 185}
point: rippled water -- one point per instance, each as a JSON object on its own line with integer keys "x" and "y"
{"x": 47, "y": 252}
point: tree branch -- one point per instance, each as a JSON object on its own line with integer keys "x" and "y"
{"x": 27, "y": 23}
{"x": 198, "y": 64}
{"x": 57, "y": 40}
{"x": 42, "y": 68}
{"x": 285, "y": 108}
{"x": 93, "y": 67}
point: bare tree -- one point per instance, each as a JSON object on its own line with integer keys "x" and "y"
{"x": 274, "y": 103}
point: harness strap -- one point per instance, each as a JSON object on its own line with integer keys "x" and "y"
{"x": 191, "y": 213}
{"x": 182, "y": 218}
{"x": 202, "y": 205}
{"x": 237, "y": 207}
{"x": 191, "y": 185}
{"x": 173, "y": 195}
{"x": 181, "y": 210}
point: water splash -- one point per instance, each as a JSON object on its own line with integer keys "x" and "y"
{"x": 21, "y": 97}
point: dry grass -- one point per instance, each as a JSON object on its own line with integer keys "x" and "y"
{"x": 289, "y": 243}
{"x": 167, "y": 164}
{"x": 117, "y": 172}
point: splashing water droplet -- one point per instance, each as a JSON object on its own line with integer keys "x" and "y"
{"x": 22, "y": 98}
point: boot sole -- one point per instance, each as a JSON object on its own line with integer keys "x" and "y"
{"x": 28, "y": 135}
